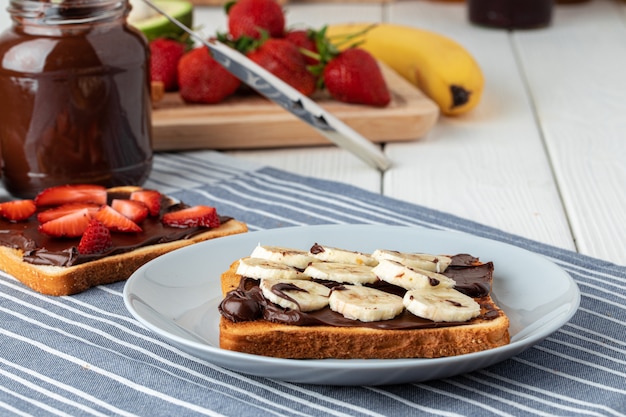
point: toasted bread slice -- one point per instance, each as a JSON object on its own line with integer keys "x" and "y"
{"x": 266, "y": 338}
{"x": 67, "y": 280}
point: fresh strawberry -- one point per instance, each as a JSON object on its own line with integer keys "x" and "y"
{"x": 116, "y": 221}
{"x": 253, "y": 17}
{"x": 283, "y": 59}
{"x": 164, "y": 56}
{"x": 62, "y": 210}
{"x": 95, "y": 239}
{"x": 195, "y": 216}
{"x": 70, "y": 225}
{"x": 17, "y": 210}
{"x": 134, "y": 210}
{"x": 353, "y": 76}
{"x": 304, "y": 40}
{"x": 151, "y": 199}
{"x": 201, "y": 79}
{"x": 74, "y": 193}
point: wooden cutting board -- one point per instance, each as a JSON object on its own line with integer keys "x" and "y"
{"x": 251, "y": 121}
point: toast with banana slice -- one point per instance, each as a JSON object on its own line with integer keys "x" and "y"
{"x": 329, "y": 302}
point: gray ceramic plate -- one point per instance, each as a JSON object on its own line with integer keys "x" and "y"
{"x": 176, "y": 296}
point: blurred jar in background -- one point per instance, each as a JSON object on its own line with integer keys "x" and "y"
{"x": 74, "y": 96}
{"x": 511, "y": 14}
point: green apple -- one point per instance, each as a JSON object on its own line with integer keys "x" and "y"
{"x": 154, "y": 25}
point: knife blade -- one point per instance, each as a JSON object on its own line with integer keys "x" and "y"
{"x": 276, "y": 90}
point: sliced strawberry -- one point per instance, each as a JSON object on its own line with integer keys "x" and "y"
{"x": 17, "y": 210}
{"x": 134, "y": 210}
{"x": 204, "y": 216}
{"x": 96, "y": 239}
{"x": 151, "y": 198}
{"x": 70, "y": 225}
{"x": 72, "y": 193}
{"x": 62, "y": 210}
{"x": 116, "y": 221}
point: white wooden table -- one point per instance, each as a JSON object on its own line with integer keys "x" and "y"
{"x": 544, "y": 154}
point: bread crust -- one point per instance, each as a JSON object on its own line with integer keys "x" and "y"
{"x": 68, "y": 280}
{"x": 265, "y": 338}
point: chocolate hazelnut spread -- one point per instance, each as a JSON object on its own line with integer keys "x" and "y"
{"x": 74, "y": 96}
{"x": 315, "y": 249}
{"x": 247, "y": 303}
{"x": 41, "y": 249}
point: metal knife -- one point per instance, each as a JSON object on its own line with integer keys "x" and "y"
{"x": 276, "y": 90}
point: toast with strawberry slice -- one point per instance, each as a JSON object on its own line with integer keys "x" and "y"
{"x": 71, "y": 238}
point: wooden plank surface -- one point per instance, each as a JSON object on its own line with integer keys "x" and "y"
{"x": 581, "y": 107}
{"x": 251, "y": 121}
{"x": 545, "y": 159}
{"x": 488, "y": 165}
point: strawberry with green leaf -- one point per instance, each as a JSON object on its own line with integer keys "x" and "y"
{"x": 353, "y": 76}
{"x": 201, "y": 79}
{"x": 253, "y": 17}
{"x": 283, "y": 59}
{"x": 350, "y": 75}
{"x": 306, "y": 43}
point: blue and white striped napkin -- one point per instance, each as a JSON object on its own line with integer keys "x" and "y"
{"x": 84, "y": 355}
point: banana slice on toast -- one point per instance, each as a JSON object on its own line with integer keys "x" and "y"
{"x": 258, "y": 268}
{"x": 293, "y": 257}
{"x": 408, "y": 278}
{"x": 341, "y": 272}
{"x": 295, "y": 294}
{"x": 365, "y": 304}
{"x": 428, "y": 262}
{"x": 330, "y": 254}
{"x": 441, "y": 305}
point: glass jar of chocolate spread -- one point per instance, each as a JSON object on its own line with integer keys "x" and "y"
{"x": 74, "y": 96}
{"x": 511, "y": 14}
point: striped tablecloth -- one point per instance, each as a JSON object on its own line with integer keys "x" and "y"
{"x": 86, "y": 355}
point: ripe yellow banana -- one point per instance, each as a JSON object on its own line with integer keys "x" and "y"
{"x": 437, "y": 65}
